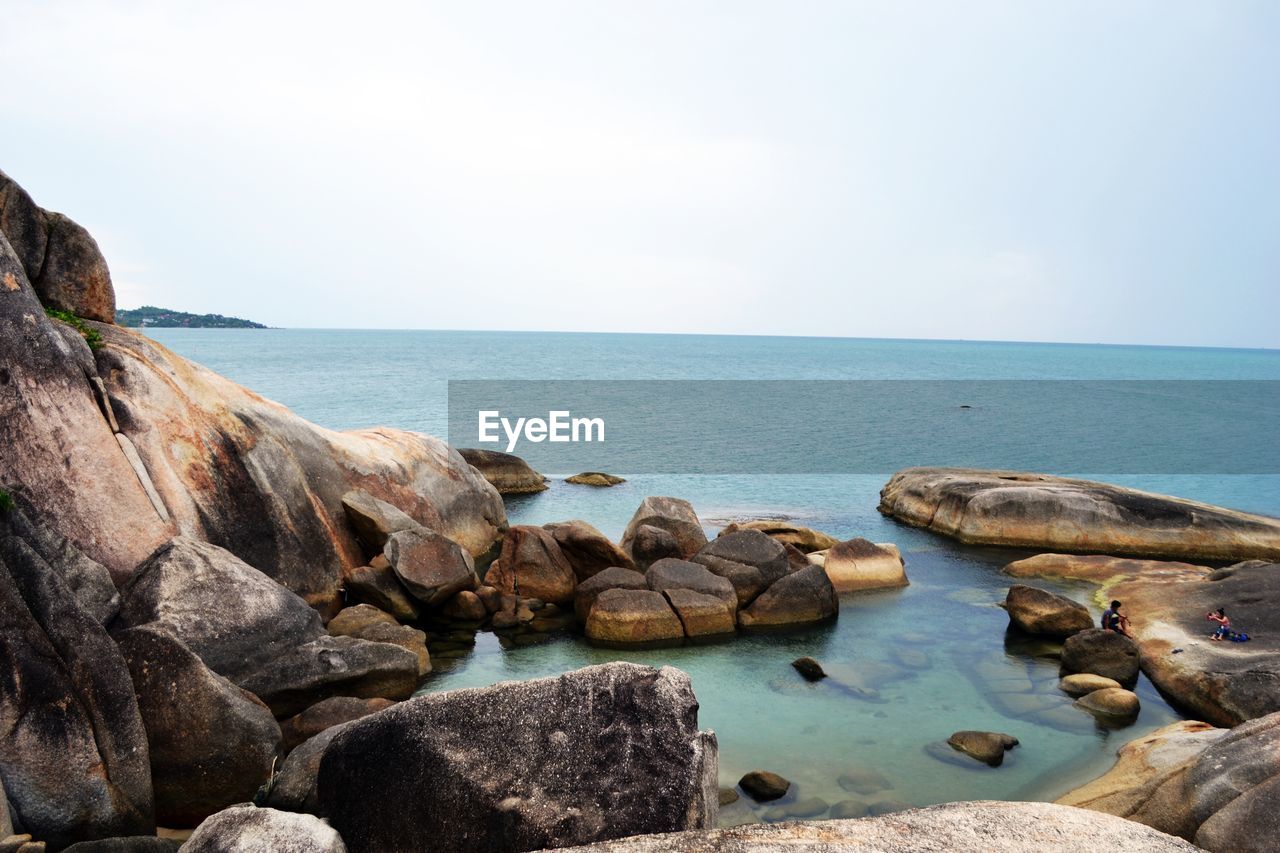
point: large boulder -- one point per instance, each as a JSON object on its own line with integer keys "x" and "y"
{"x": 980, "y": 827}
{"x": 1111, "y": 704}
{"x": 431, "y": 566}
{"x": 1023, "y": 510}
{"x": 586, "y": 593}
{"x": 350, "y": 621}
{"x": 326, "y": 714}
{"x": 509, "y": 474}
{"x": 626, "y": 616}
{"x": 334, "y": 666}
{"x": 211, "y": 743}
{"x": 598, "y": 753}
{"x": 746, "y": 580}
{"x": 1037, "y": 611}
{"x": 235, "y": 618}
{"x": 673, "y": 515}
{"x": 532, "y": 565}
{"x": 987, "y": 747}
{"x": 1104, "y": 653}
{"x": 375, "y": 520}
{"x": 1099, "y": 568}
{"x": 379, "y": 586}
{"x": 799, "y": 598}
{"x": 858, "y": 565}
{"x": 804, "y": 539}
{"x": 587, "y": 549}
{"x": 649, "y": 544}
{"x": 746, "y": 547}
{"x": 73, "y": 756}
{"x": 410, "y": 639}
{"x": 681, "y": 574}
{"x": 294, "y": 788}
{"x": 701, "y": 615}
{"x": 248, "y": 829}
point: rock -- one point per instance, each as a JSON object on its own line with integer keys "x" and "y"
{"x": 247, "y": 829}
{"x": 1100, "y": 652}
{"x": 326, "y": 714}
{"x": 532, "y": 566}
{"x": 746, "y": 580}
{"x": 807, "y": 807}
{"x": 235, "y": 618}
{"x": 375, "y": 520}
{"x": 294, "y": 788}
{"x": 491, "y": 597}
{"x": 1055, "y": 513}
{"x": 467, "y": 606}
{"x": 614, "y": 578}
{"x": 701, "y": 615}
{"x": 801, "y": 597}
{"x": 670, "y": 573}
{"x": 632, "y": 616}
{"x": 804, "y": 539}
{"x": 75, "y": 277}
{"x": 863, "y": 781}
{"x": 588, "y": 550}
{"x": 431, "y": 566}
{"x": 1036, "y": 611}
{"x": 73, "y": 756}
{"x": 351, "y": 620}
{"x": 1081, "y": 683}
{"x": 763, "y": 786}
{"x": 727, "y": 796}
{"x": 594, "y": 478}
{"x": 858, "y": 565}
{"x": 748, "y": 548}
{"x": 598, "y": 753}
{"x": 379, "y": 586}
{"x": 651, "y": 544}
{"x": 334, "y": 666}
{"x": 130, "y": 844}
{"x": 1113, "y": 703}
{"x": 1095, "y": 567}
{"x": 407, "y": 638}
{"x": 846, "y": 809}
{"x": 797, "y": 559}
{"x": 211, "y": 743}
{"x": 987, "y": 747}
{"x": 809, "y": 668}
{"x": 509, "y": 474}
{"x": 673, "y": 515}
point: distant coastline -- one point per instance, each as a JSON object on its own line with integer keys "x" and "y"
{"x": 150, "y": 316}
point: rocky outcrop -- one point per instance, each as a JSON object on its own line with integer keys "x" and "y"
{"x": 1054, "y": 513}
{"x": 1216, "y": 787}
{"x": 586, "y": 593}
{"x": 432, "y": 567}
{"x": 626, "y": 616}
{"x": 211, "y": 744}
{"x": 673, "y": 515}
{"x": 1104, "y": 653}
{"x": 509, "y": 474}
{"x": 532, "y": 565}
{"x": 680, "y": 574}
{"x": 73, "y": 756}
{"x": 326, "y": 714}
{"x": 587, "y": 549}
{"x": 246, "y": 829}
{"x": 858, "y": 565}
{"x": 595, "y": 478}
{"x": 1037, "y": 611}
{"x": 1098, "y": 568}
{"x": 980, "y": 827}
{"x": 799, "y": 598}
{"x": 598, "y": 753}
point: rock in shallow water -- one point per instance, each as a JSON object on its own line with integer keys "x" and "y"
{"x": 809, "y": 668}
{"x": 587, "y": 549}
{"x": 799, "y": 598}
{"x": 1036, "y": 611}
{"x": 632, "y": 616}
{"x": 532, "y": 566}
{"x": 595, "y": 478}
{"x": 987, "y": 747}
{"x": 1080, "y": 683}
{"x": 763, "y": 785}
{"x": 507, "y": 473}
{"x": 858, "y": 565}
{"x": 1104, "y": 653}
{"x": 586, "y": 593}
{"x": 1111, "y": 703}
{"x": 431, "y": 566}
{"x": 597, "y": 753}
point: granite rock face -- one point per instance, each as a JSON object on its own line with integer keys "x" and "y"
{"x": 1037, "y": 611}
{"x": 584, "y": 597}
{"x": 597, "y": 753}
{"x": 749, "y": 548}
{"x": 73, "y": 758}
{"x": 509, "y": 474}
{"x": 680, "y": 574}
{"x": 801, "y": 597}
{"x": 532, "y": 565}
{"x": 326, "y": 714}
{"x": 627, "y": 616}
{"x": 431, "y": 566}
{"x": 334, "y": 666}
{"x": 247, "y": 829}
{"x": 374, "y": 520}
{"x": 1023, "y": 510}
{"x": 675, "y": 516}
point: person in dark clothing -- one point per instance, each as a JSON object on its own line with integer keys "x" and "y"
{"x": 1114, "y": 620}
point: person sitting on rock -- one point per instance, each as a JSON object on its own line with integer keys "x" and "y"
{"x": 1114, "y": 620}
{"x": 1223, "y": 631}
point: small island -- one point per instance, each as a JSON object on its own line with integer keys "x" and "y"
{"x": 165, "y": 318}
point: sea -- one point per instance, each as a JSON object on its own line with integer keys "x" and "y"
{"x": 915, "y": 664}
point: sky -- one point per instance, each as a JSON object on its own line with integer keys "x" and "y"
{"x": 1024, "y": 170}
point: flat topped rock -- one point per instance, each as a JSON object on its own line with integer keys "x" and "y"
{"x": 507, "y": 473}
{"x": 1024, "y": 510}
{"x": 859, "y": 564}
{"x": 594, "y": 478}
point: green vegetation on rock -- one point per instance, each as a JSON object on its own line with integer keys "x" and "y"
{"x": 90, "y": 334}
{"x": 149, "y": 315}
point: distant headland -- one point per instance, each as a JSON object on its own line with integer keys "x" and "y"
{"x": 151, "y": 316}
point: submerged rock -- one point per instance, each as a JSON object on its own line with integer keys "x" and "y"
{"x": 595, "y": 478}
{"x": 673, "y": 515}
{"x": 1023, "y": 510}
{"x": 763, "y": 785}
{"x": 1036, "y": 611}
{"x": 598, "y": 753}
{"x": 632, "y": 616}
{"x": 507, "y": 473}
{"x": 987, "y": 747}
{"x": 799, "y": 598}
{"x": 858, "y": 565}
{"x": 809, "y": 668}
{"x": 1104, "y": 653}
{"x": 245, "y": 828}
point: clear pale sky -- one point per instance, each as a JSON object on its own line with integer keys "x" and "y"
{"x": 1084, "y": 171}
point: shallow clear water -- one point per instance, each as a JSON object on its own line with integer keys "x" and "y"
{"x": 911, "y": 666}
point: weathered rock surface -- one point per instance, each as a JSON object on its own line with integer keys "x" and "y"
{"x": 294, "y": 788}
{"x": 1098, "y": 568}
{"x": 129, "y": 844}
{"x": 1055, "y": 513}
{"x": 1081, "y": 683}
{"x": 680, "y": 574}
{"x": 334, "y": 666}
{"x": 350, "y": 621}
{"x": 248, "y": 829}
{"x": 805, "y": 539}
{"x": 673, "y": 515}
{"x": 326, "y": 714}
{"x": 746, "y": 547}
{"x": 595, "y": 478}
{"x": 587, "y": 549}
{"x": 978, "y": 827}
{"x": 597, "y": 753}
{"x": 701, "y": 615}
{"x": 235, "y": 618}
{"x": 532, "y": 565}
{"x": 650, "y": 544}
{"x": 410, "y": 639}
{"x": 374, "y": 520}
{"x": 379, "y": 586}
{"x": 1037, "y": 611}
{"x": 1104, "y": 653}
{"x": 211, "y": 744}
{"x": 858, "y": 565}
{"x": 987, "y": 747}
{"x": 509, "y": 474}
{"x": 586, "y": 593}
{"x": 801, "y": 597}
{"x": 632, "y": 616}
{"x": 746, "y": 580}
{"x": 73, "y": 755}
{"x": 1111, "y": 703}
{"x": 467, "y": 606}
{"x": 431, "y": 566}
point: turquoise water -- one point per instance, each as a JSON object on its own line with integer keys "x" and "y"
{"x": 922, "y": 662}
